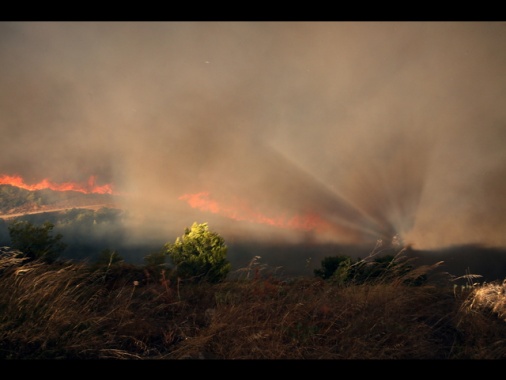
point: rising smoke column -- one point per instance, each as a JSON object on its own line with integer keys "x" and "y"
{"x": 379, "y": 128}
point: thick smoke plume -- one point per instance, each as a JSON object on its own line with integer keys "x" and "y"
{"x": 377, "y": 129}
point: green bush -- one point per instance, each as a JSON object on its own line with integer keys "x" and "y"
{"x": 344, "y": 270}
{"x": 36, "y": 242}
{"x": 329, "y": 265}
{"x": 199, "y": 255}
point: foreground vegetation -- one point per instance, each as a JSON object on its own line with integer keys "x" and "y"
{"x": 380, "y": 307}
{"x": 68, "y": 310}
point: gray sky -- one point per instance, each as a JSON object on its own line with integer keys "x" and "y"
{"x": 369, "y": 128}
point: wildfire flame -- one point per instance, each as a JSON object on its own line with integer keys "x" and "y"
{"x": 87, "y": 188}
{"x": 241, "y": 211}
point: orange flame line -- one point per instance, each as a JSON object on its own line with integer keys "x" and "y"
{"x": 90, "y": 187}
{"x": 202, "y": 201}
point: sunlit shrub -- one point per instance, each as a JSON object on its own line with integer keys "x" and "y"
{"x": 199, "y": 254}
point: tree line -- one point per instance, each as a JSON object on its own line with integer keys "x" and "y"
{"x": 200, "y": 255}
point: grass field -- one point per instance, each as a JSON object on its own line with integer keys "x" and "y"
{"x": 77, "y": 311}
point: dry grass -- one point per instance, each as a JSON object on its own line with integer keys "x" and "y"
{"x": 71, "y": 311}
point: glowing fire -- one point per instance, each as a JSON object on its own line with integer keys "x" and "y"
{"x": 87, "y": 188}
{"x": 241, "y": 211}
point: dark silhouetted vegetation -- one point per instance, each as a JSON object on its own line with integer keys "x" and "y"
{"x": 185, "y": 301}
{"x": 115, "y": 310}
{"x": 87, "y": 232}
{"x": 343, "y": 269}
{"x": 36, "y": 242}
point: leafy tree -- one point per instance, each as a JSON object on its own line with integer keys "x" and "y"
{"x": 199, "y": 254}
{"x": 344, "y": 270}
{"x": 329, "y": 265}
{"x": 36, "y": 242}
{"x": 382, "y": 267}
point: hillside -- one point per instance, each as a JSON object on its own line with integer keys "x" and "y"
{"x": 85, "y": 309}
{"x": 15, "y": 201}
{"x": 91, "y": 223}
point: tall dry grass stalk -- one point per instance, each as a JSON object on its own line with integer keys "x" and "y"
{"x": 69, "y": 310}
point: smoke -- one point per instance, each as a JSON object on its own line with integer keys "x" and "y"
{"x": 378, "y": 128}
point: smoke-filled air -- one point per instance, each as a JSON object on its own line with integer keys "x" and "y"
{"x": 286, "y": 132}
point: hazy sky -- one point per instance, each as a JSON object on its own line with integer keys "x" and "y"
{"x": 336, "y": 131}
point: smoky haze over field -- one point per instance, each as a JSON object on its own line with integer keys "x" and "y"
{"x": 371, "y": 129}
